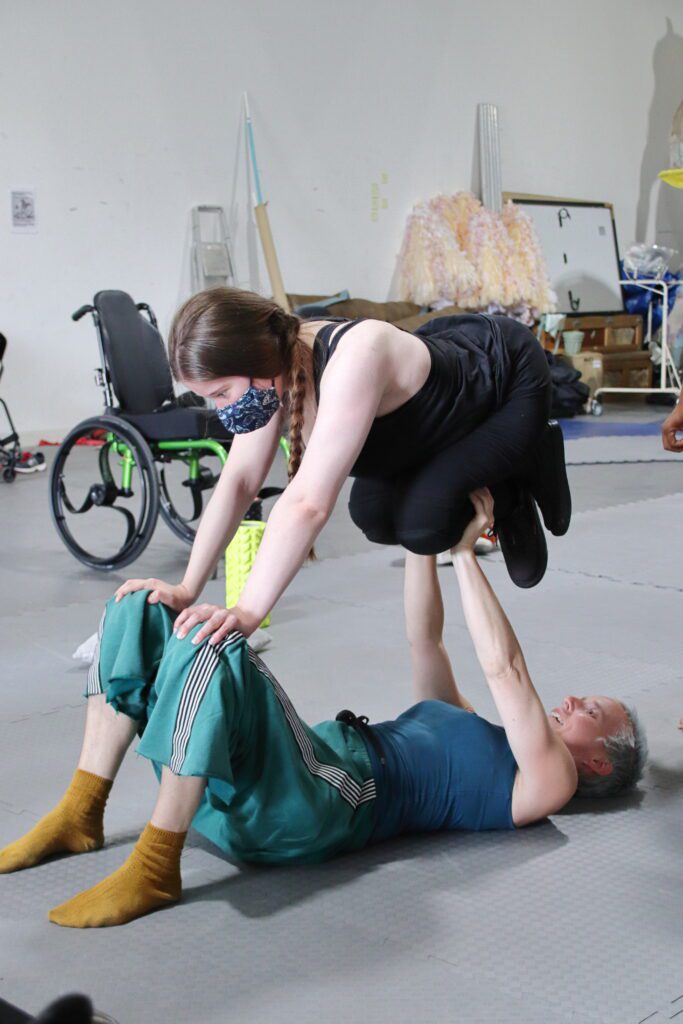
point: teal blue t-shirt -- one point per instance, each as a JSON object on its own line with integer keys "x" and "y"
{"x": 444, "y": 769}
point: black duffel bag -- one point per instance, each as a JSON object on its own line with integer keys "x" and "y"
{"x": 570, "y": 394}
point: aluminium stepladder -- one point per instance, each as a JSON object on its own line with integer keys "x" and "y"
{"x": 211, "y": 261}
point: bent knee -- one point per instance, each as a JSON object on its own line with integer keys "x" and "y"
{"x": 134, "y": 612}
{"x": 428, "y": 531}
{"x": 375, "y": 522}
{"x": 428, "y": 542}
{"x": 380, "y": 534}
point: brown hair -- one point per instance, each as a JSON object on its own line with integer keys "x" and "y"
{"x": 227, "y": 332}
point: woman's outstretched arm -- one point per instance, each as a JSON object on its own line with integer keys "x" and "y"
{"x": 351, "y": 391}
{"x": 251, "y": 456}
{"x": 433, "y": 677}
{"x": 547, "y": 773}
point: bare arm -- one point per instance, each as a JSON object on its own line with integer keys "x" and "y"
{"x": 547, "y": 774}
{"x": 351, "y": 391}
{"x": 433, "y": 677}
{"x": 250, "y": 458}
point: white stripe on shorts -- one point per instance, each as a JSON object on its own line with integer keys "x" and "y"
{"x": 349, "y": 789}
{"x": 94, "y": 680}
{"x": 203, "y": 667}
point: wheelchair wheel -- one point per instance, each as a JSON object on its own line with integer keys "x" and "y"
{"x": 181, "y": 498}
{"x": 104, "y": 493}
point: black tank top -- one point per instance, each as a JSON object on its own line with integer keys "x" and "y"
{"x": 469, "y": 375}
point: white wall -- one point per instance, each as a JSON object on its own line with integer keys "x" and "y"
{"x": 124, "y": 114}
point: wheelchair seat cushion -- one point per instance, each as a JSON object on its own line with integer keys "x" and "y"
{"x": 173, "y": 423}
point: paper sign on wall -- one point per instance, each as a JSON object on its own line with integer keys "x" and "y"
{"x": 23, "y": 204}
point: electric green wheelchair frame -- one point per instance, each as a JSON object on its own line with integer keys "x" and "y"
{"x": 206, "y": 444}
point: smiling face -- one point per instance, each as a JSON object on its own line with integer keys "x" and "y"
{"x": 582, "y": 722}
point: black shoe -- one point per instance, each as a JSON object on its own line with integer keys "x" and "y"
{"x": 522, "y": 541}
{"x": 548, "y": 481}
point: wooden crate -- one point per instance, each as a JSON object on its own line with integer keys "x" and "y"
{"x": 616, "y": 332}
{"x": 601, "y": 369}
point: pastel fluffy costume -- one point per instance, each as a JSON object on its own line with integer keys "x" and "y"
{"x": 456, "y": 251}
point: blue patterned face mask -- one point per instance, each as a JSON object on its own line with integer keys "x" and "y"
{"x": 253, "y": 410}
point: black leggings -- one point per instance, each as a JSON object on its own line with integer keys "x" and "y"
{"x": 428, "y": 509}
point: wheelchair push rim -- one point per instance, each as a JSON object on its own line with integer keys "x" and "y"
{"x": 120, "y": 478}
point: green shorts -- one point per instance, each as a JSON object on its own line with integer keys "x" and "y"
{"x": 277, "y": 789}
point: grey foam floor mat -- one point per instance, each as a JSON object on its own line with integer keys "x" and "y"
{"x": 576, "y": 919}
{"x": 634, "y": 543}
{"x": 617, "y": 449}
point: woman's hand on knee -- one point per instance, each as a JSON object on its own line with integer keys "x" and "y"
{"x": 218, "y": 623}
{"x": 173, "y": 596}
{"x": 212, "y": 614}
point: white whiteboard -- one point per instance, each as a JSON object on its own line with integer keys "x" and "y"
{"x": 580, "y": 249}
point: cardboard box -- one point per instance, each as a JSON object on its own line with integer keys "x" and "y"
{"x": 600, "y": 369}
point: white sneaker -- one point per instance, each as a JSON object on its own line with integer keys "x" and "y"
{"x": 31, "y": 462}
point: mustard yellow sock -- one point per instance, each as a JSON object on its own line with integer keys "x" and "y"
{"x": 149, "y": 879}
{"x": 74, "y": 826}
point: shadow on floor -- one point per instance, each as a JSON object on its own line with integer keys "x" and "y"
{"x": 445, "y": 862}
{"x": 610, "y": 805}
{"x": 659, "y": 776}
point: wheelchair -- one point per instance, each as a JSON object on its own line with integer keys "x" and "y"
{"x": 146, "y": 456}
{"x": 13, "y": 459}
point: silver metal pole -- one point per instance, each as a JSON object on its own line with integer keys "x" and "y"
{"x": 489, "y": 156}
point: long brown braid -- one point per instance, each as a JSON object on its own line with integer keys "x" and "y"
{"x": 297, "y": 372}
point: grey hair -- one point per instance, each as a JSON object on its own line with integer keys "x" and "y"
{"x": 627, "y": 750}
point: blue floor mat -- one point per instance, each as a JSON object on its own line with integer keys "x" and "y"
{"x": 573, "y": 429}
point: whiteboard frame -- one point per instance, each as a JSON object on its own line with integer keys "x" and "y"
{"x": 534, "y": 200}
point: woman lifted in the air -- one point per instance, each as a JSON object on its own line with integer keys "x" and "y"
{"x": 419, "y": 420}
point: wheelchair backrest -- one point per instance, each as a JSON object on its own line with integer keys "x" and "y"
{"x": 134, "y": 352}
